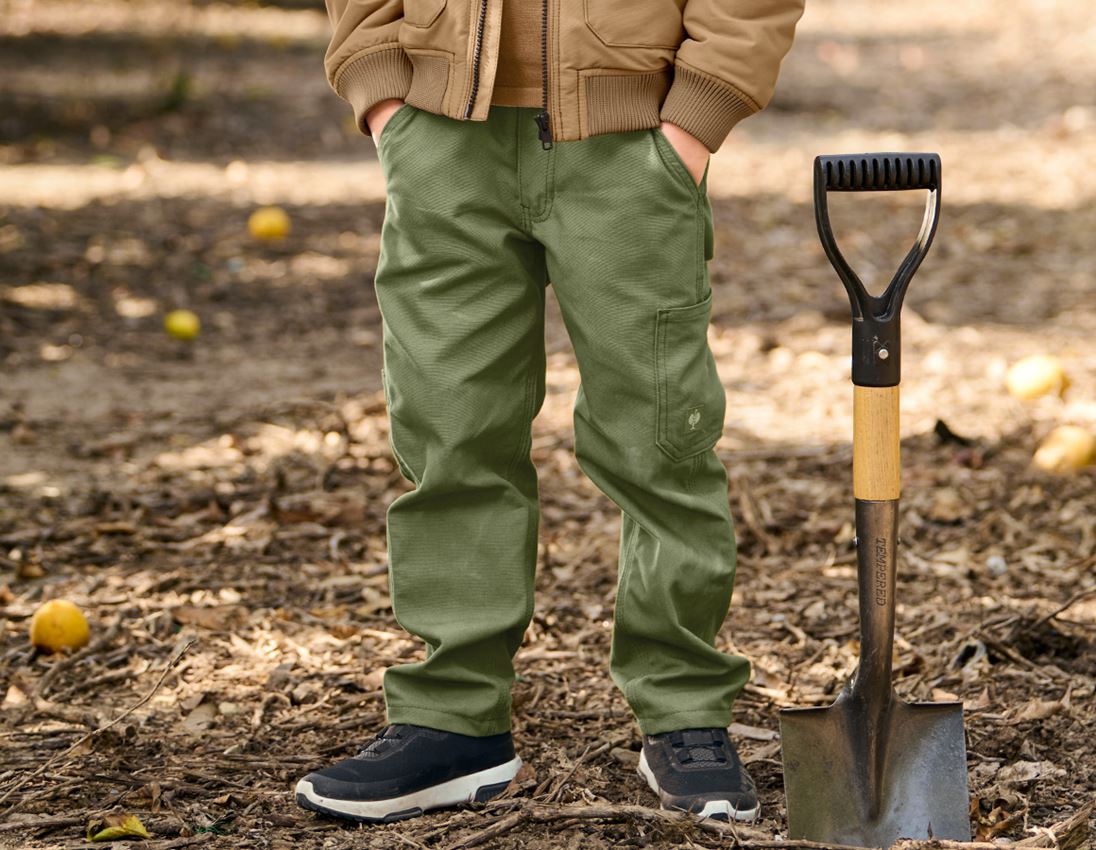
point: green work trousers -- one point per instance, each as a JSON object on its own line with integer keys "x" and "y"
{"x": 480, "y": 218}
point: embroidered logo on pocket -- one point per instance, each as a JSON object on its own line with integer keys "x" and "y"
{"x": 694, "y": 418}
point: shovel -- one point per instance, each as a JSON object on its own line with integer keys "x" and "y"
{"x": 871, "y": 768}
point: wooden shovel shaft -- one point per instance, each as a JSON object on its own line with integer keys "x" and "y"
{"x": 877, "y": 487}
{"x": 876, "y": 468}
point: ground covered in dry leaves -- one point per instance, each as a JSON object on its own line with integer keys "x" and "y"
{"x": 218, "y": 508}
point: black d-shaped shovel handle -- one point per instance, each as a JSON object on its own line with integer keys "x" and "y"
{"x": 876, "y": 342}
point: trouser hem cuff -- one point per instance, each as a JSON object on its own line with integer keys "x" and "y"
{"x": 659, "y": 723}
{"x": 449, "y": 722}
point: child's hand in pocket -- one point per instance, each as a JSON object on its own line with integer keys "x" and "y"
{"x": 692, "y": 151}
{"x": 379, "y": 114}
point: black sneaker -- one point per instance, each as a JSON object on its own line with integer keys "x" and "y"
{"x": 699, "y": 771}
{"x": 407, "y": 770}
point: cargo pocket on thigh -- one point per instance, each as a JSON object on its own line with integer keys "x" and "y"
{"x": 691, "y": 402}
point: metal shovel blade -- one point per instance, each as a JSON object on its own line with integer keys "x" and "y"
{"x": 868, "y": 776}
{"x": 870, "y": 768}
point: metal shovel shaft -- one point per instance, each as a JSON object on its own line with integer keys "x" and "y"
{"x": 871, "y": 690}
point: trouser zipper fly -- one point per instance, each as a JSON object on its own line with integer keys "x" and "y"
{"x": 544, "y": 129}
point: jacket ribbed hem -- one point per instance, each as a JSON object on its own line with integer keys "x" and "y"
{"x": 704, "y": 106}
{"x": 610, "y": 102}
{"x": 617, "y": 103}
{"x": 366, "y": 81}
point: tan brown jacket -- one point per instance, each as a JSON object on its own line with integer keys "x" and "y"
{"x": 612, "y": 65}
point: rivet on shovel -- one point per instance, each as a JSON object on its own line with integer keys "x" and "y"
{"x": 871, "y": 768}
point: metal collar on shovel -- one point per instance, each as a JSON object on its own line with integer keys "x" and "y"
{"x": 872, "y": 768}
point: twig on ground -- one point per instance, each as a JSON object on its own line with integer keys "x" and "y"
{"x": 553, "y": 795}
{"x": 1069, "y": 834}
{"x": 408, "y": 840}
{"x": 179, "y": 652}
{"x": 1015, "y": 657}
{"x": 41, "y": 823}
{"x": 107, "y": 638}
{"x": 1065, "y": 606}
{"x": 493, "y": 830}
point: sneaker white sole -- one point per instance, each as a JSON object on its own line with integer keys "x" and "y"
{"x": 711, "y": 808}
{"x": 463, "y": 789}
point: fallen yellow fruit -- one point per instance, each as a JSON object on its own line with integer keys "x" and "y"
{"x": 1035, "y": 376}
{"x": 114, "y": 827}
{"x": 58, "y": 624}
{"x": 269, "y": 223}
{"x": 182, "y": 324}
{"x": 1066, "y": 449}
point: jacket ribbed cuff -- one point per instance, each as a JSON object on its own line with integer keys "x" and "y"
{"x": 703, "y": 106}
{"x": 369, "y": 79}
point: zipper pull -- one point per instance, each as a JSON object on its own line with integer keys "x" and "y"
{"x": 544, "y": 132}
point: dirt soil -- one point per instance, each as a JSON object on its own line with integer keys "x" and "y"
{"x": 217, "y": 508}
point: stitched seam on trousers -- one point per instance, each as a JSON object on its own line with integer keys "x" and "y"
{"x": 660, "y": 401}
{"x": 393, "y": 559}
{"x": 416, "y": 479}
{"x": 400, "y": 459}
{"x": 502, "y": 706}
{"x": 694, "y": 467}
{"x": 699, "y": 254}
{"x": 627, "y": 557}
{"x": 528, "y": 213}
{"x": 526, "y": 435}
{"x": 532, "y": 385}
{"x": 549, "y": 183}
{"x": 522, "y": 209}
{"x": 531, "y": 540}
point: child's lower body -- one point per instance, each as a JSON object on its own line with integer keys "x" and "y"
{"x": 480, "y": 218}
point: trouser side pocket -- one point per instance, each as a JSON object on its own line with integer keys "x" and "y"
{"x": 691, "y": 401}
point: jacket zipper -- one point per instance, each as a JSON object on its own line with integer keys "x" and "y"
{"x": 544, "y": 130}
{"x": 476, "y": 59}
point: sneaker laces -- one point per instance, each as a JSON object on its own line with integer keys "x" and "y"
{"x": 698, "y": 745}
{"x": 381, "y": 742}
